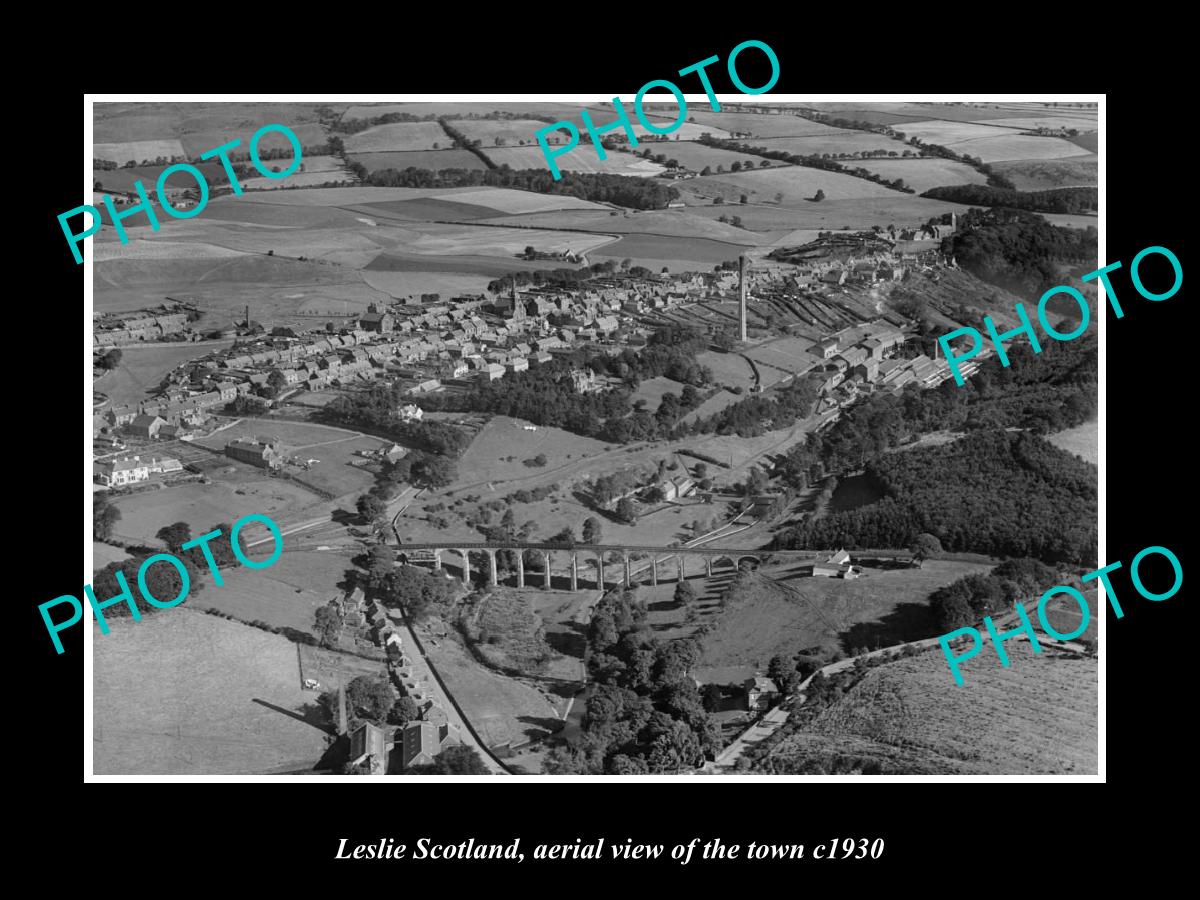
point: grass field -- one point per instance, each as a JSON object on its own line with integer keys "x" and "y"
{"x": 834, "y": 141}
{"x": 138, "y": 151}
{"x": 1050, "y": 120}
{"x": 142, "y": 369}
{"x": 334, "y": 447}
{"x": 653, "y": 389}
{"x": 760, "y": 125}
{"x": 728, "y": 368}
{"x": 1083, "y": 441}
{"x": 204, "y": 506}
{"x": 696, "y": 156}
{"x": 1041, "y": 175}
{"x": 501, "y": 709}
{"x": 674, "y": 223}
{"x": 676, "y": 253}
{"x": 123, "y": 179}
{"x": 1037, "y": 717}
{"x": 412, "y": 284}
{"x": 286, "y": 595}
{"x": 422, "y": 159}
{"x": 1089, "y": 142}
{"x": 103, "y": 554}
{"x": 797, "y": 184}
{"x": 186, "y": 693}
{"x": 582, "y": 159}
{"x": 1019, "y": 146}
{"x": 948, "y": 133}
{"x": 832, "y": 214}
{"x": 317, "y": 170}
{"x": 923, "y": 174}
{"x": 398, "y": 136}
{"x": 882, "y": 608}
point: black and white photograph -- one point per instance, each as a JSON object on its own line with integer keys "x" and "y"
{"x": 516, "y": 438}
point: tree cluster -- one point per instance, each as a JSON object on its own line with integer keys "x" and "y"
{"x": 991, "y": 492}
{"x": 644, "y": 713}
{"x": 1073, "y": 200}
{"x": 620, "y": 190}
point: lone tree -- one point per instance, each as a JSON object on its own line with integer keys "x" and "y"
{"x": 926, "y": 546}
{"x": 328, "y": 624}
{"x": 684, "y": 593}
{"x": 592, "y": 530}
{"x": 457, "y": 760}
{"x": 370, "y": 697}
{"x": 370, "y": 507}
{"x": 626, "y": 511}
{"x": 819, "y": 195}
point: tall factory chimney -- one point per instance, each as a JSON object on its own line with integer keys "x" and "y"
{"x": 742, "y": 293}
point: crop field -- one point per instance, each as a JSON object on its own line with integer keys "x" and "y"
{"x": 834, "y": 141}
{"x": 143, "y": 368}
{"x": 670, "y": 223}
{"x": 1089, "y": 142}
{"x": 285, "y": 596}
{"x": 437, "y": 239}
{"x": 509, "y": 131}
{"x": 220, "y": 131}
{"x": 949, "y": 134}
{"x": 582, "y": 159}
{"x": 317, "y": 170}
{"x": 138, "y": 151}
{"x": 453, "y": 108}
{"x": 696, "y": 156}
{"x": 676, "y": 253}
{"x": 501, "y": 709}
{"x": 123, "y": 179}
{"x": 456, "y": 158}
{"x": 1037, "y": 717}
{"x": 923, "y": 174}
{"x": 900, "y": 114}
{"x": 1083, "y": 441}
{"x": 1066, "y": 220}
{"x": 1050, "y": 120}
{"x": 205, "y": 506}
{"x": 833, "y": 214}
{"x": 798, "y": 184}
{"x": 761, "y": 125}
{"x": 880, "y": 609}
{"x": 1019, "y": 146}
{"x": 182, "y": 692}
{"x": 398, "y": 136}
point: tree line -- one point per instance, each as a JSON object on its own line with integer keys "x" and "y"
{"x": 1071, "y": 200}
{"x": 812, "y": 161}
{"x": 620, "y": 190}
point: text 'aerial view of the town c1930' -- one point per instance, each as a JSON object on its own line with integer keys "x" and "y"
{"x": 654, "y": 469}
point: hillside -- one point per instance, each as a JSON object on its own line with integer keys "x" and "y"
{"x": 907, "y": 717}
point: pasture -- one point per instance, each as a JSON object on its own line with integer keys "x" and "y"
{"x": 582, "y": 159}
{"x": 727, "y": 368}
{"x": 184, "y": 693}
{"x": 760, "y": 125}
{"x": 882, "y": 608}
{"x": 696, "y": 156}
{"x": 1019, "y": 146}
{"x": 798, "y": 184}
{"x": 923, "y": 174}
{"x": 138, "y": 151}
{"x": 315, "y": 170}
{"x": 675, "y": 253}
{"x": 398, "y": 136}
{"x": 1083, "y": 441}
{"x": 833, "y": 214}
{"x": 668, "y": 223}
{"x": 948, "y": 133}
{"x": 653, "y": 389}
{"x": 834, "y": 141}
{"x": 501, "y": 709}
{"x": 1037, "y": 717}
{"x": 204, "y": 506}
{"x": 285, "y": 596}
{"x": 1050, "y": 120}
{"x": 1041, "y": 175}
{"x": 455, "y": 158}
